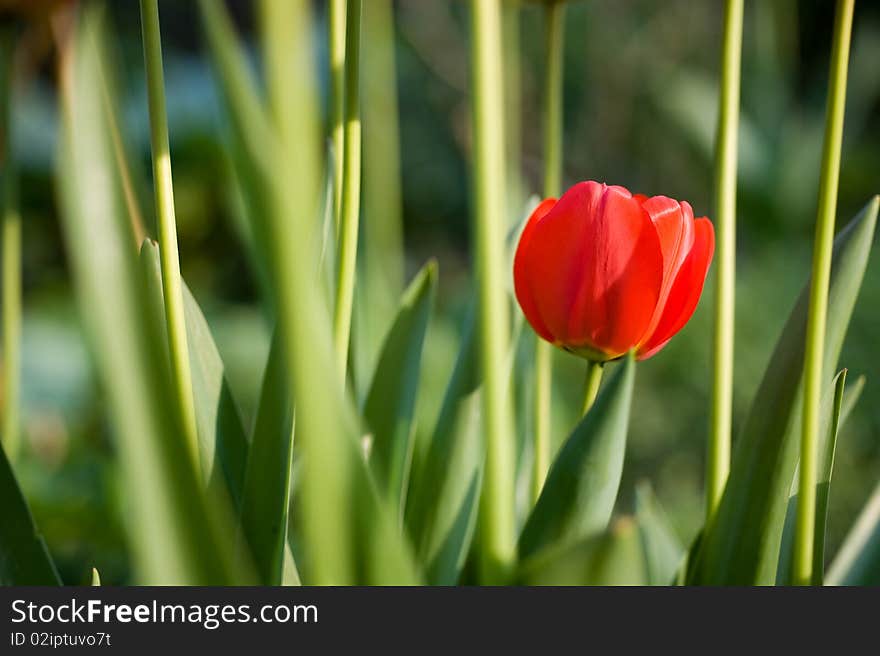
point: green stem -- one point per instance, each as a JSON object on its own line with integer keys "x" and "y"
{"x": 815, "y": 339}
{"x": 497, "y": 502}
{"x": 336, "y": 45}
{"x": 591, "y": 385}
{"x": 554, "y": 48}
{"x": 11, "y": 236}
{"x": 718, "y": 457}
{"x": 351, "y": 189}
{"x": 169, "y": 259}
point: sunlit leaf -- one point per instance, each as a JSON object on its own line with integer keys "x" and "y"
{"x": 391, "y": 401}
{"x": 581, "y": 487}
{"x": 741, "y": 545}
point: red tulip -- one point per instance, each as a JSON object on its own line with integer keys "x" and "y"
{"x": 601, "y": 272}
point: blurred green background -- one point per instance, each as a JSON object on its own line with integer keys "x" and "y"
{"x": 640, "y": 98}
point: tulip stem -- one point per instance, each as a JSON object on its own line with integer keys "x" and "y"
{"x": 11, "y": 236}
{"x": 554, "y": 31}
{"x": 497, "y": 500}
{"x": 169, "y": 258}
{"x": 718, "y": 457}
{"x": 805, "y": 525}
{"x": 336, "y": 45}
{"x": 351, "y": 188}
{"x": 591, "y": 385}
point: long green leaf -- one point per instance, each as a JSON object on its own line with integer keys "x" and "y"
{"x": 24, "y": 558}
{"x": 223, "y": 446}
{"x": 349, "y": 534}
{"x": 267, "y": 481}
{"x": 612, "y": 557}
{"x": 391, "y": 400}
{"x": 741, "y": 544}
{"x": 830, "y": 424}
{"x": 581, "y": 487}
{"x": 443, "y": 496}
{"x": 176, "y": 536}
{"x": 663, "y": 551}
{"x": 858, "y": 561}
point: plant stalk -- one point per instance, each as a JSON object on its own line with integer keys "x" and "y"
{"x": 591, "y": 385}
{"x": 336, "y": 45}
{"x": 554, "y": 45}
{"x": 11, "y": 248}
{"x": 805, "y": 525}
{"x": 497, "y": 501}
{"x": 169, "y": 258}
{"x": 351, "y": 188}
{"x": 718, "y": 457}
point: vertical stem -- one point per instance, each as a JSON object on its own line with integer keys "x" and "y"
{"x": 718, "y": 457}
{"x": 169, "y": 258}
{"x": 554, "y": 48}
{"x": 336, "y": 44}
{"x": 510, "y": 43}
{"x": 351, "y": 188}
{"x": 11, "y": 245}
{"x": 815, "y": 339}
{"x": 497, "y": 502}
{"x": 591, "y": 385}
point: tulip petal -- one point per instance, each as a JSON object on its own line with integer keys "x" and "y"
{"x": 675, "y": 227}
{"x": 686, "y": 290}
{"x": 597, "y": 259}
{"x": 522, "y": 283}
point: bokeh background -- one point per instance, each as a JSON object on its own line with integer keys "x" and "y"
{"x": 640, "y": 105}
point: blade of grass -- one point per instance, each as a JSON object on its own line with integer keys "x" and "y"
{"x": 170, "y": 259}
{"x": 718, "y": 456}
{"x": 805, "y": 526}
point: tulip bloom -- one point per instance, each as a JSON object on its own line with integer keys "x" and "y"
{"x": 601, "y": 272}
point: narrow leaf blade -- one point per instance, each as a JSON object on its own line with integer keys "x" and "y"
{"x": 391, "y": 400}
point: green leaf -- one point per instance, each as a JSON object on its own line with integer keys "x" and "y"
{"x": 24, "y": 558}
{"x": 391, "y": 400}
{"x": 741, "y": 544}
{"x": 177, "y": 537}
{"x": 96, "y": 578}
{"x": 442, "y": 503}
{"x": 267, "y": 481}
{"x": 663, "y": 551}
{"x": 223, "y": 446}
{"x": 251, "y": 138}
{"x": 348, "y": 532}
{"x": 830, "y": 424}
{"x": 613, "y": 557}
{"x": 581, "y": 487}
{"x": 858, "y": 561}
